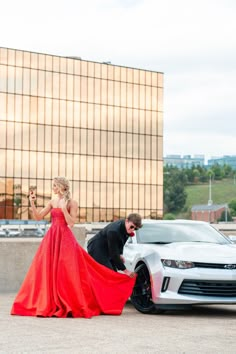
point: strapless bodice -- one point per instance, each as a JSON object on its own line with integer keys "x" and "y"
{"x": 58, "y": 217}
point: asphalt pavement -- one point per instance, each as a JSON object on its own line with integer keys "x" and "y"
{"x": 205, "y": 329}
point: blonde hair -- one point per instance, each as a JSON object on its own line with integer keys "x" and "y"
{"x": 64, "y": 187}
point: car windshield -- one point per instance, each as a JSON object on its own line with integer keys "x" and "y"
{"x": 179, "y": 232}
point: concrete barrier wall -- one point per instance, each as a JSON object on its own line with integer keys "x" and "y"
{"x": 16, "y": 255}
{"x": 226, "y": 228}
{"x": 15, "y": 258}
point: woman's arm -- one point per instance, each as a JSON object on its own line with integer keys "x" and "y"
{"x": 70, "y": 215}
{"x": 39, "y": 215}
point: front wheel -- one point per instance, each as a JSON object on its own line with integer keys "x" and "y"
{"x": 141, "y": 296}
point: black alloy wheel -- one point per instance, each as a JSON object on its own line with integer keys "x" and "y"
{"x": 141, "y": 296}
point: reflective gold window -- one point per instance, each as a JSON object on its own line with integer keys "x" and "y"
{"x": 98, "y": 124}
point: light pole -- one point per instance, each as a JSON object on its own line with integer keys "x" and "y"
{"x": 209, "y": 200}
{"x": 226, "y": 213}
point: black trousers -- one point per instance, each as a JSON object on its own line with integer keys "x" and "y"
{"x": 100, "y": 256}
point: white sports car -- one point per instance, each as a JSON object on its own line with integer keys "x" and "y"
{"x": 180, "y": 263}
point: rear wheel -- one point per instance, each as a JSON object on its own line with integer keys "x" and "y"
{"x": 141, "y": 296}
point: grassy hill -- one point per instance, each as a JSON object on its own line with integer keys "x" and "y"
{"x": 221, "y": 192}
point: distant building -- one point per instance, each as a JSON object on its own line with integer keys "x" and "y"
{"x": 224, "y": 160}
{"x": 187, "y": 161}
{"x": 209, "y": 213}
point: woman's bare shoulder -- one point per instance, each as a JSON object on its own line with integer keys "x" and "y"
{"x": 53, "y": 203}
{"x": 73, "y": 203}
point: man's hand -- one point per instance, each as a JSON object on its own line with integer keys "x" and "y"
{"x": 122, "y": 258}
{"x": 129, "y": 273}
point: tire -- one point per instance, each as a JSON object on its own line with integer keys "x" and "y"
{"x": 141, "y": 297}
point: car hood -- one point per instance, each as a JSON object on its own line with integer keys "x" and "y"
{"x": 198, "y": 252}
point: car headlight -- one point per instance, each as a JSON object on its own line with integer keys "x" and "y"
{"x": 177, "y": 264}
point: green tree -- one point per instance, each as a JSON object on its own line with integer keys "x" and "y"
{"x": 190, "y": 175}
{"x": 225, "y": 216}
{"x": 227, "y": 170}
{"x": 232, "y": 206}
{"x": 203, "y": 174}
{"x": 218, "y": 171}
{"x": 169, "y": 216}
{"x": 196, "y": 174}
{"x": 174, "y": 190}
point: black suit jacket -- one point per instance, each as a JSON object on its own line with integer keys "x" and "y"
{"x": 107, "y": 245}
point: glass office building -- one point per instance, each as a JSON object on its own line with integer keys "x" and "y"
{"x": 98, "y": 124}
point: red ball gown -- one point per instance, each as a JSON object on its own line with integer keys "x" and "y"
{"x": 65, "y": 281}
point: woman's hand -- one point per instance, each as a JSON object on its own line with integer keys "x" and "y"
{"x": 32, "y": 196}
{"x": 63, "y": 204}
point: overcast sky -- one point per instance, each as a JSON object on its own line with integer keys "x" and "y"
{"x": 193, "y": 42}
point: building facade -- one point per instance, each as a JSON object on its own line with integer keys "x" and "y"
{"x": 209, "y": 212}
{"x": 224, "y": 160}
{"x": 186, "y": 161}
{"x": 98, "y": 124}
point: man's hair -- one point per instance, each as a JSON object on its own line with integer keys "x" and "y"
{"x": 135, "y": 219}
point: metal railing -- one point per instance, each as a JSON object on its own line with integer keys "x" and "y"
{"x": 22, "y": 228}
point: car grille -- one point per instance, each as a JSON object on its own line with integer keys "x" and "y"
{"x": 215, "y": 265}
{"x": 208, "y": 288}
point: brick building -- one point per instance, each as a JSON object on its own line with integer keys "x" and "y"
{"x": 208, "y": 212}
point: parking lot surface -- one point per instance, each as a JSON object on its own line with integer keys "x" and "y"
{"x": 205, "y": 329}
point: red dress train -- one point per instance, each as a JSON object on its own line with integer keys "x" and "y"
{"x": 63, "y": 280}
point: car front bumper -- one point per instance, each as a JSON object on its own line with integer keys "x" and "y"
{"x": 194, "y": 286}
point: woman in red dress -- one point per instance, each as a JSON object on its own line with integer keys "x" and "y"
{"x": 63, "y": 279}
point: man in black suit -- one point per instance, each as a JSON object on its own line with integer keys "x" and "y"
{"x": 106, "y": 247}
